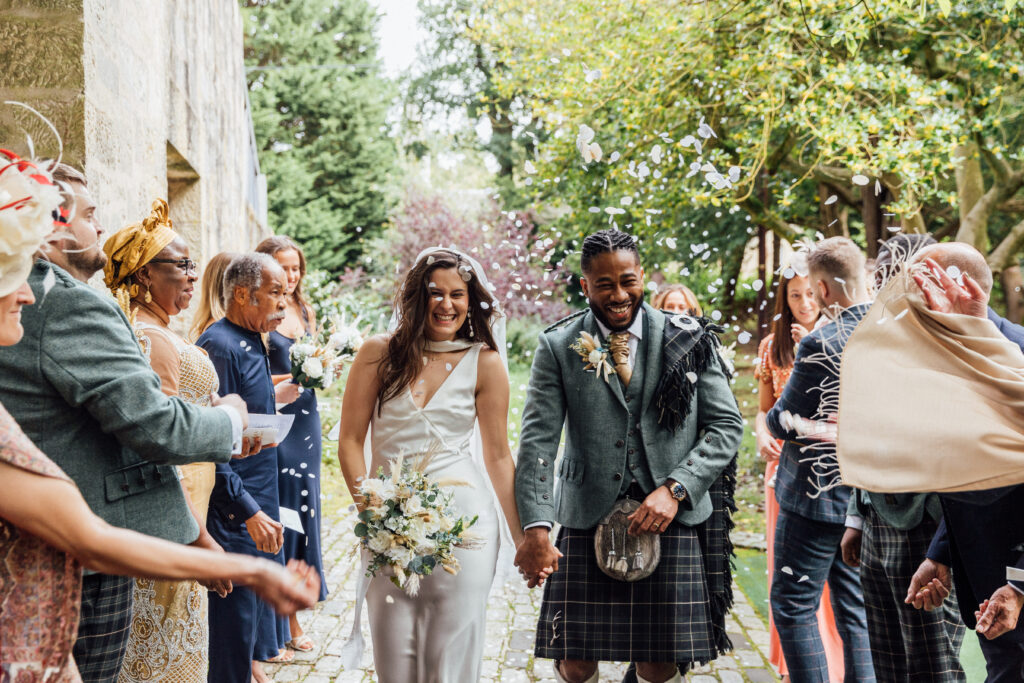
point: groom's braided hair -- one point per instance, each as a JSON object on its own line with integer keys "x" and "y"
{"x": 604, "y": 242}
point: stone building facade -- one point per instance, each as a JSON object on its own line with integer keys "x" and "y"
{"x": 149, "y": 97}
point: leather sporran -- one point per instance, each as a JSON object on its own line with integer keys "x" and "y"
{"x": 619, "y": 555}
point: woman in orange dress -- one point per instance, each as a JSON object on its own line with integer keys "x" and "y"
{"x": 796, "y": 313}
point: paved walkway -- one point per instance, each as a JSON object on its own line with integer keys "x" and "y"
{"x": 511, "y": 619}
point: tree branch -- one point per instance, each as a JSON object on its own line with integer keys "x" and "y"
{"x": 1004, "y": 255}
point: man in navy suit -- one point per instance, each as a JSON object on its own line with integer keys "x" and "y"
{"x": 812, "y": 502}
{"x": 981, "y": 534}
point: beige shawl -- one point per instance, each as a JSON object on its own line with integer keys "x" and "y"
{"x": 929, "y": 401}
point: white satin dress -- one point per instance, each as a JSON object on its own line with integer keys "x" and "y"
{"x": 437, "y": 636}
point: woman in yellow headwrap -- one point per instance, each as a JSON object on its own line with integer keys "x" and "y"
{"x": 149, "y": 271}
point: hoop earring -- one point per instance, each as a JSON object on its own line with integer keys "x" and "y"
{"x": 148, "y": 297}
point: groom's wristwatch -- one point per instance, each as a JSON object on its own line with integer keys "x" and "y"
{"x": 677, "y": 490}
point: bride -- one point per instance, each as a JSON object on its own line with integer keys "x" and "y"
{"x": 436, "y": 382}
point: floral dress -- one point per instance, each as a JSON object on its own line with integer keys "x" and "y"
{"x": 40, "y": 586}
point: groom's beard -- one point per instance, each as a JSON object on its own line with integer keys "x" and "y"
{"x": 604, "y": 321}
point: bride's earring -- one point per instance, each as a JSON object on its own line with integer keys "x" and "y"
{"x": 469, "y": 319}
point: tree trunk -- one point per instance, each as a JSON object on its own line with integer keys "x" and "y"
{"x": 1013, "y": 283}
{"x": 970, "y": 188}
{"x": 762, "y": 294}
{"x": 831, "y": 215}
{"x": 871, "y": 212}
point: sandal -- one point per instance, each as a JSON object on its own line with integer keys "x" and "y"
{"x": 282, "y": 657}
{"x": 303, "y": 643}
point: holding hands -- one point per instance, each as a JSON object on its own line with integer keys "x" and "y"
{"x": 536, "y": 556}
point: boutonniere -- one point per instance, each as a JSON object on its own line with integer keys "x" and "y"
{"x": 728, "y": 354}
{"x": 595, "y": 357}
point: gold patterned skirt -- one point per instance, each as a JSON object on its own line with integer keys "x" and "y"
{"x": 169, "y": 639}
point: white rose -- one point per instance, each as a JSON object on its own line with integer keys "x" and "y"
{"x": 413, "y": 505}
{"x": 379, "y": 542}
{"x": 595, "y": 357}
{"x": 400, "y": 555}
{"x": 313, "y": 368}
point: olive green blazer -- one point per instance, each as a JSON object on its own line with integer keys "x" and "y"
{"x": 597, "y": 419}
{"x": 80, "y": 388}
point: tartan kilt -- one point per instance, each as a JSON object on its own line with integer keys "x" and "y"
{"x": 587, "y": 615}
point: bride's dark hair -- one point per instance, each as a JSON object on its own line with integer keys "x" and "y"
{"x": 403, "y": 359}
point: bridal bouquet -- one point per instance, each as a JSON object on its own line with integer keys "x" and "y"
{"x": 317, "y": 359}
{"x": 410, "y": 524}
{"x": 314, "y": 365}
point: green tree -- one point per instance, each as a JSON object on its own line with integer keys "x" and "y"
{"x": 826, "y": 115}
{"x": 319, "y": 105}
{"x": 455, "y": 81}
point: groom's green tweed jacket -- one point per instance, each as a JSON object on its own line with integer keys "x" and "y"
{"x": 600, "y": 424}
{"x": 80, "y": 388}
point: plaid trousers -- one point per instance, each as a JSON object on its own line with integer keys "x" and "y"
{"x": 907, "y": 644}
{"x": 104, "y": 627}
{"x": 806, "y": 556}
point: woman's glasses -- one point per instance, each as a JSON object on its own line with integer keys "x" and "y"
{"x": 185, "y": 264}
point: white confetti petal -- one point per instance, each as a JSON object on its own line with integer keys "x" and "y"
{"x": 692, "y": 376}
{"x": 831, "y": 200}
{"x": 860, "y": 180}
{"x": 786, "y": 570}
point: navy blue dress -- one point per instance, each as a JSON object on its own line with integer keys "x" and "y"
{"x": 298, "y": 466}
{"x": 242, "y": 488}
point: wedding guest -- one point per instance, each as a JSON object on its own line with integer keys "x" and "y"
{"x": 796, "y": 312}
{"x": 981, "y": 533}
{"x": 298, "y": 456}
{"x": 244, "y": 509}
{"x": 678, "y": 299}
{"x": 148, "y": 267}
{"x": 648, "y": 434}
{"x": 887, "y": 536}
{"x": 211, "y": 293}
{"x": 48, "y": 529}
{"x": 812, "y": 507}
{"x": 80, "y": 388}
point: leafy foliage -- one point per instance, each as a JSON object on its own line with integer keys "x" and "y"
{"x": 773, "y": 107}
{"x": 319, "y": 105}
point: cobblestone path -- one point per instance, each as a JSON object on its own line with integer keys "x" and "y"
{"x": 511, "y": 619}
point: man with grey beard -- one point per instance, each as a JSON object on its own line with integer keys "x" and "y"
{"x": 244, "y": 514}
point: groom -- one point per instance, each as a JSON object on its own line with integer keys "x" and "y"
{"x": 661, "y": 429}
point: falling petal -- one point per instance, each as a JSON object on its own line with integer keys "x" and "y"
{"x": 831, "y": 200}
{"x": 860, "y": 180}
{"x": 692, "y": 376}
{"x": 786, "y": 570}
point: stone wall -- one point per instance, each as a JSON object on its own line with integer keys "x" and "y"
{"x": 150, "y": 97}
